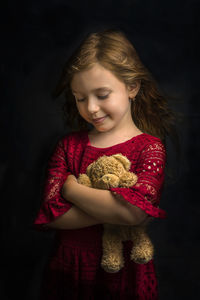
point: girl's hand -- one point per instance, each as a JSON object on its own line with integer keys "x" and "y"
{"x": 68, "y": 185}
{"x": 71, "y": 178}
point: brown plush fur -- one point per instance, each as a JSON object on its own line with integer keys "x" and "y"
{"x": 113, "y": 171}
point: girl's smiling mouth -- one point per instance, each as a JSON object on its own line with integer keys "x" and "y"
{"x": 99, "y": 120}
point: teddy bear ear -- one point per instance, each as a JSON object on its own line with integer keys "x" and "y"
{"x": 124, "y": 160}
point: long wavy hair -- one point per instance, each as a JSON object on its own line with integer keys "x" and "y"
{"x": 111, "y": 48}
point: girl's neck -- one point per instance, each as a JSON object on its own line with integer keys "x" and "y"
{"x": 107, "y": 139}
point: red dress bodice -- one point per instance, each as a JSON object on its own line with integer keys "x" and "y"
{"x": 74, "y": 269}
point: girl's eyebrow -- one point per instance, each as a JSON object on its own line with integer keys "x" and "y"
{"x": 101, "y": 89}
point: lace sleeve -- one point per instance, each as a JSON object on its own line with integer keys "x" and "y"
{"x": 53, "y": 204}
{"x": 146, "y": 193}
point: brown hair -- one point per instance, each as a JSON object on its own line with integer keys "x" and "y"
{"x": 111, "y": 48}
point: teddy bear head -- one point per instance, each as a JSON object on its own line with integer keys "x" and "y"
{"x": 111, "y": 171}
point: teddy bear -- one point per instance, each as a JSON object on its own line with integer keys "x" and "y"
{"x": 113, "y": 171}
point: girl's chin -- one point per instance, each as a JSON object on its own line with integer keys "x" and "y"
{"x": 99, "y": 128}
{"x": 102, "y": 129}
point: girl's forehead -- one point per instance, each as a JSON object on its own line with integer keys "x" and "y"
{"x": 96, "y": 78}
{"x": 100, "y": 89}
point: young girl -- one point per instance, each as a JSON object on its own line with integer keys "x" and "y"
{"x": 107, "y": 87}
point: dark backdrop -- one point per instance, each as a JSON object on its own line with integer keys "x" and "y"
{"x": 36, "y": 39}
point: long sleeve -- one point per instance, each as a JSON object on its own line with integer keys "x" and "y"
{"x": 53, "y": 204}
{"x": 146, "y": 193}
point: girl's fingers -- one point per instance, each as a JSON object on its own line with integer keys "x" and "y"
{"x": 71, "y": 177}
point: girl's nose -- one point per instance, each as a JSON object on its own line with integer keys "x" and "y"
{"x": 93, "y": 106}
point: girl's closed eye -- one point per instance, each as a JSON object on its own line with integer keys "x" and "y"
{"x": 103, "y": 97}
{"x": 99, "y": 97}
{"x": 80, "y": 100}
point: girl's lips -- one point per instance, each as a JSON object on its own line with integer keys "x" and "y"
{"x": 99, "y": 120}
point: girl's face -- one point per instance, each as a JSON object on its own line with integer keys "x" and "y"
{"x": 102, "y": 99}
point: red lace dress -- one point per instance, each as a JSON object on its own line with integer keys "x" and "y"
{"x": 73, "y": 270}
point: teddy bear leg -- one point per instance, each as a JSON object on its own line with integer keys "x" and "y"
{"x": 112, "y": 259}
{"x": 143, "y": 249}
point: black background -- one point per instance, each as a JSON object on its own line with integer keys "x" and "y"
{"x": 36, "y": 39}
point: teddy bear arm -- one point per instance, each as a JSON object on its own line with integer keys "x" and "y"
{"x": 128, "y": 179}
{"x": 85, "y": 180}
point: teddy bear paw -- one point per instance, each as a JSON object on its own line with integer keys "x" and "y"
{"x": 141, "y": 257}
{"x": 112, "y": 266}
{"x": 85, "y": 180}
{"x": 109, "y": 180}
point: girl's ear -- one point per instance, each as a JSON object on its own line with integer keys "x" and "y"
{"x": 133, "y": 89}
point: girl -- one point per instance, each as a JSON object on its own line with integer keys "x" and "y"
{"x": 107, "y": 87}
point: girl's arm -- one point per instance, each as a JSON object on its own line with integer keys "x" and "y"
{"x": 101, "y": 204}
{"x": 131, "y": 206}
{"x": 74, "y": 218}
